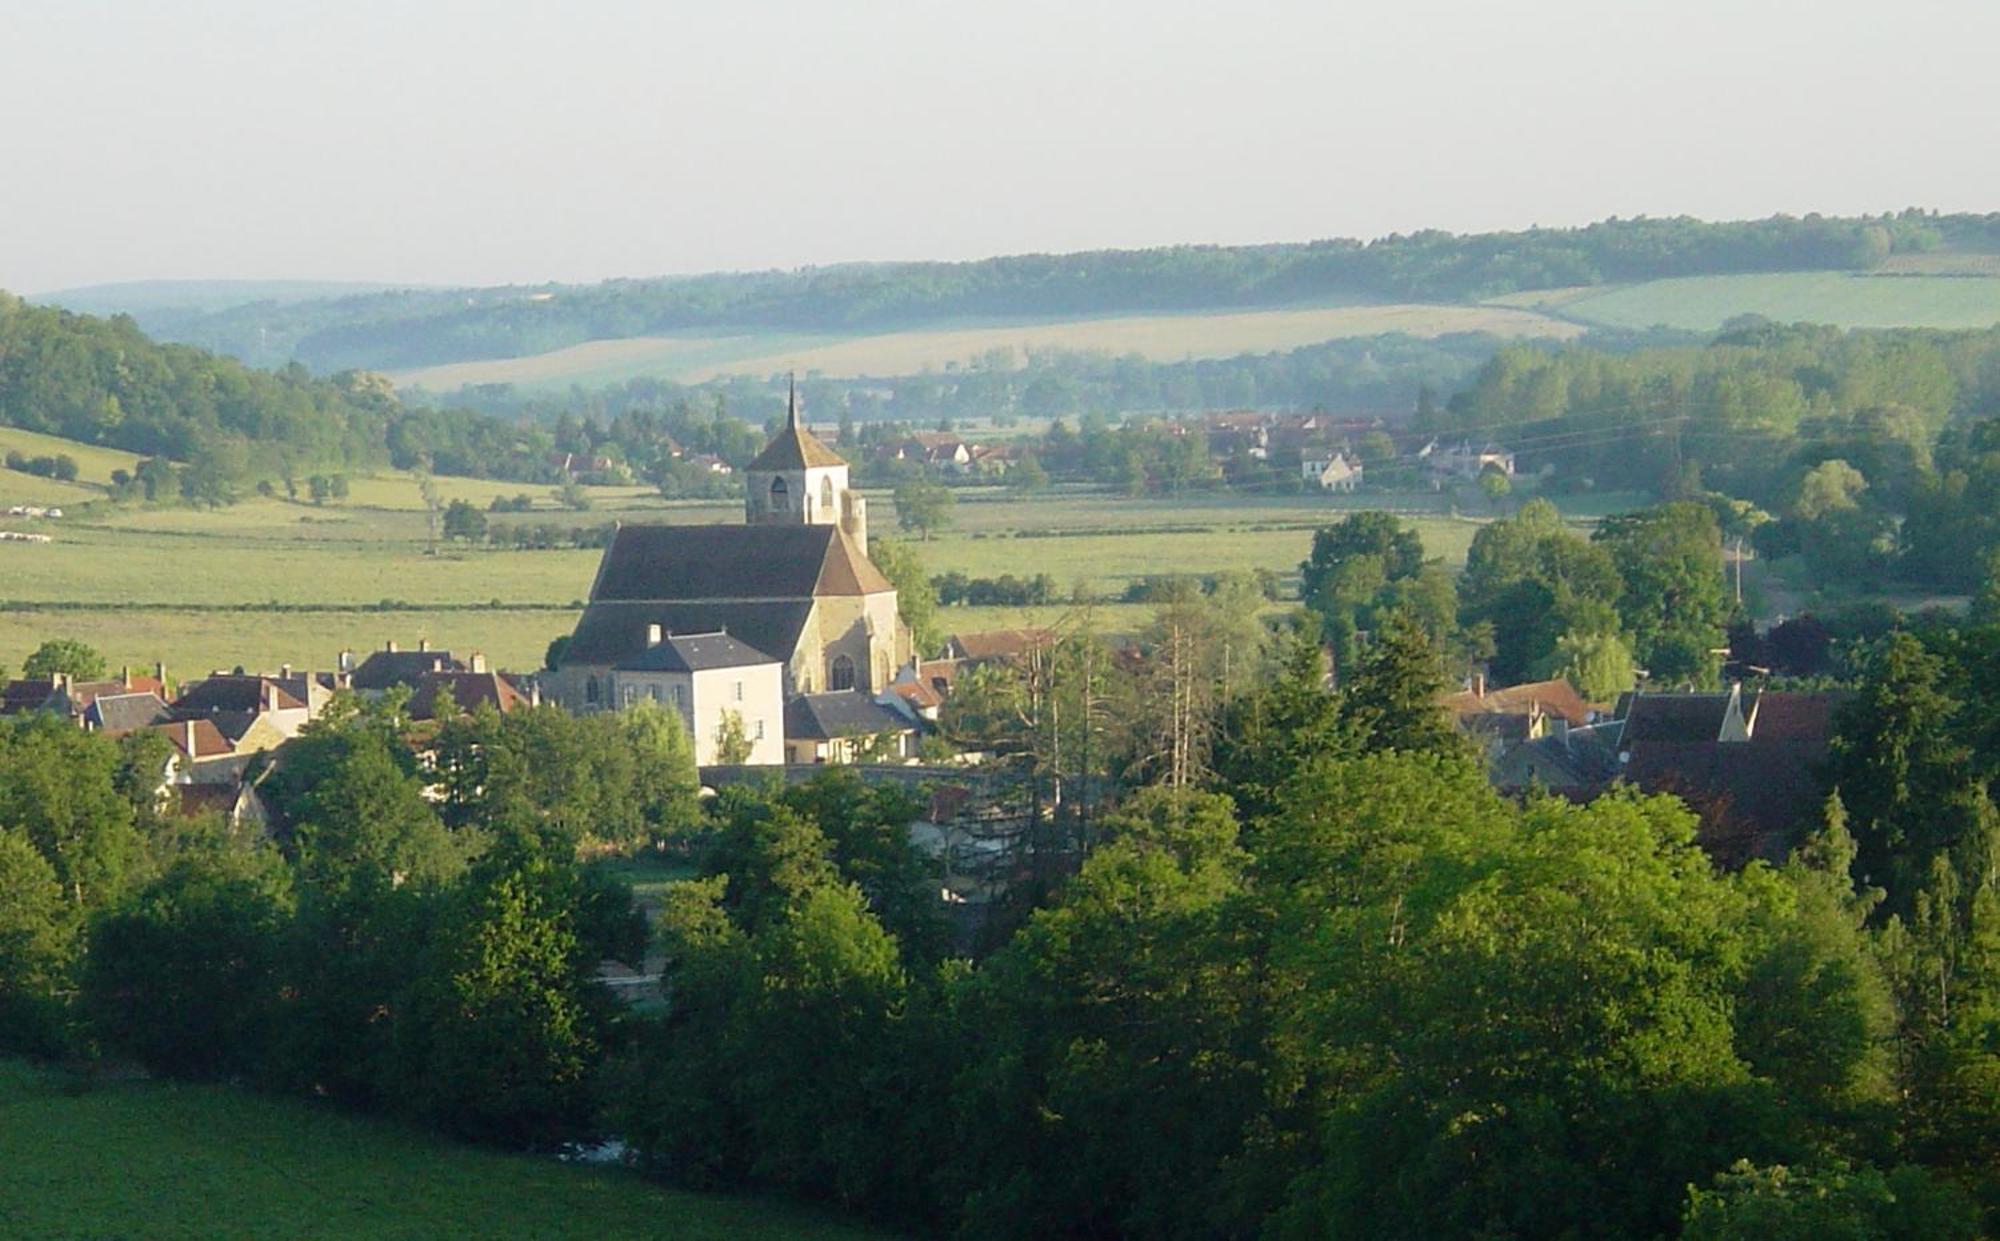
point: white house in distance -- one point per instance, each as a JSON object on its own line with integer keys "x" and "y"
{"x": 706, "y": 677}
{"x": 1338, "y": 472}
{"x": 1465, "y": 460}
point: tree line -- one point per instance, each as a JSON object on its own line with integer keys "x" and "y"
{"x": 1298, "y": 971}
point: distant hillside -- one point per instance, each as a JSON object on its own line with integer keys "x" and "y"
{"x": 201, "y": 296}
{"x": 409, "y": 329}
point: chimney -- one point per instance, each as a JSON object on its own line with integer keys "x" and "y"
{"x": 390, "y": 646}
{"x": 285, "y": 671}
{"x": 1479, "y": 684}
{"x": 345, "y": 662}
{"x": 125, "y": 676}
{"x": 477, "y": 663}
{"x": 270, "y": 696}
{"x": 160, "y": 672}
{"x": 423, "y": 644}
{"x": 187, "y": 737}
{"x": 652, "y": 636}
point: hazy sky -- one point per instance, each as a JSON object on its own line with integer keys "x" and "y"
{"x": 505, "y": 141}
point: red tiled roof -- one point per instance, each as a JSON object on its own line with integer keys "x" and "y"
{"x": 1555, "y": 697}
{"x": 468, "y": 691}
{"x": 208, "y": 739}
{"x": 1001, "y": 643}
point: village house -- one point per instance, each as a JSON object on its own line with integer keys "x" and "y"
{"x": 966, "y": 650}
{"x": 1338, "y": 472}
{"x": 714, "y": 683}
{"x": 392, "y": 666}
{"x": 468, "y": 690}
{"x": 1463, "y": 461}
{"x": 846, "y": 727}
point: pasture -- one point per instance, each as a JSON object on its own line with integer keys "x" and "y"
{"x": 161, "y": 1160}
{"x": 1705, "y": 303}
{"x": 271, "y": 581}
{"x": 1160, "y": 337}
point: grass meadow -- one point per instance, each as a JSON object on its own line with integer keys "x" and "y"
{"x": 272, "y": 581}
{"x": 1704, "y": 303}
{"x": 161, "y": 1161}
{"x": 1161, "y": 337}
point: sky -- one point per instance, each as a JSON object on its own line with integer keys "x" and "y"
{"x": 507, "y": 141}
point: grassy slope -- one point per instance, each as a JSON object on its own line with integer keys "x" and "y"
{"x": 164, "y": 1161}
{"x": 1166, "y": 338}
{"x": 1703, "y": 303}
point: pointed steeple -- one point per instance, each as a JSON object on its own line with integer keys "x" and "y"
{"x": 792, "y": 400}
{"x": 794, "y": 447}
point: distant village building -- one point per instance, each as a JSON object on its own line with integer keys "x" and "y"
{"x": 1464, "y": 461}
{"x": 1338, "y": 472}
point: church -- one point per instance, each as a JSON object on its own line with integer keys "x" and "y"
{"x": 793, "y": 582}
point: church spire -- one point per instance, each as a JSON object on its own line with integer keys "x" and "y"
{"x": 792, "y": 400}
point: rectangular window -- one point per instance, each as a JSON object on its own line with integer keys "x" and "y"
{"x": 631, "y": 693}
{"x": 677, "y": 695}
{"x": 655, "y": 692}
{"x": 739, "y": 691}
{"x": 760, "y": 730}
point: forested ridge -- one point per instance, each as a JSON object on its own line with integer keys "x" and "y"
{"x": 421, "y": 327}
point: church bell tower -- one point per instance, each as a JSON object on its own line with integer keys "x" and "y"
{"x": 799, "y": 481}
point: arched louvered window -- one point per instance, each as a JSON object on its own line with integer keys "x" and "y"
{"x": 840, "y": 673}
{"x": 826, "y": 495}
{"x": 781, "y": 500}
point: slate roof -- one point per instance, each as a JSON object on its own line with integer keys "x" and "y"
{"x": 469, "y": 691}
{"x": 716, "y": 563}
{"x": 232, "y": 693}
{"x": 383, "y": 669}
{"x": 1553, "y": 697}
{"x": 25, "y": 695}
{"x": 1677, "y": 718}
{"x": 82, "y": 693}
{"x": 843, "y": 713}
{"x": 114, "y": 715}
{"x": 612, "y": 632}
{"x": 695, "y": 652}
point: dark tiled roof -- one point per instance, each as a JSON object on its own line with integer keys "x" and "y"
{"x": 1779, "y": 715}
{"x": 383, "y": 669}
{"x": 118, "y": 714}
{"x": 693, "y": 652}
{"x": 1679, "y": 718}
{"x": 718, "y": 563}
{"x": 235, "y": 693}
{"x": 612, "y": 632}
{"x": 82, "y": 693}
{"x": 23, "y": 695}
{"x": 469, "y": 691}
{"x": 1754, "y": 799}
{"x": 843, "y": 713}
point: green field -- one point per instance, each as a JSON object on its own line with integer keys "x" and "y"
{"x": 1160, "y": 337}
{"x": 159, "y": 1160}
{"x": 1704, "y": 303}
{"x": 269, "y": 582}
